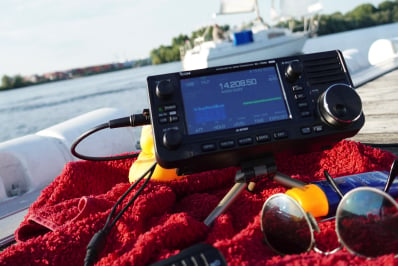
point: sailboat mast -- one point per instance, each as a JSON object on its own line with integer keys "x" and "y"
{"x": 257, "y": 10}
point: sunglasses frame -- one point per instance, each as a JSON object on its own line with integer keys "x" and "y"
{"x": 340, "y": 206}
{"x": 313, "y": 224}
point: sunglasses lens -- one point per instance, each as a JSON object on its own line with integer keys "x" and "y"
{"x": 367, "y": 222}
{"x": 284, "y": 225}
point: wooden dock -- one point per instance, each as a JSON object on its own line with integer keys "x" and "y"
{"x": 380, "y": 106}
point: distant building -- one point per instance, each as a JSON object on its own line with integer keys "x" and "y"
{"x": 78, "y": 72}
{"x": 56, "y": 75}
{"x": 128, "y": 64}
{"x": 33, "y": 78}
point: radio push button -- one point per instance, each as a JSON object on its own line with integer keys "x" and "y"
{"x": 227, "y": 144}
{"x": 245, "y": 141}
{"x": 318, "y": 128}
{"x": 297, "y": 88}
{"x": 263, "y": 138}
{"x": 302, "y": 105}
{"x": 299, "y": 96}
{"x": 170, "y": 107}
{"x": 163, "y": 120}
{"x": 209, "y": 147}
{"x": 280, "y": 134}
{"x": 173, "y": 119}
{"x": 305, "y": 113}
{"x": 306, "y": 130}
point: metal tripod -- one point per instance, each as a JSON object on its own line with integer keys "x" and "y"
{"x": 246, "y": 177}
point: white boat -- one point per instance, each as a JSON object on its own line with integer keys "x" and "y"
{"x": 29, "y": 163}
{"x": 260, "y": 41}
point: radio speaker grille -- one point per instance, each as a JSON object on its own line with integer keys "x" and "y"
{"x": 324, "y": 70}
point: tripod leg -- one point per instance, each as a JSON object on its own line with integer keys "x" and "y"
{"x": 249, "y": 170}
{"x": 287, "y": 181}
{"x": 228, "y": 199}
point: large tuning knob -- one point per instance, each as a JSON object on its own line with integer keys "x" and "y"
{"x": 164, "y": 89}
{"x": 340, "y": 105}
{"x": 293, "y": 71}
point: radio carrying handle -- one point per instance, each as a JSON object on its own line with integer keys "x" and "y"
{"x": 250, "y": 172}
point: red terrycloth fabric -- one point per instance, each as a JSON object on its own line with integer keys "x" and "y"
{"x": 167, "y": 217}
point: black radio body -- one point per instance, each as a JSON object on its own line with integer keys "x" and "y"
{"x": 224, "y": 116}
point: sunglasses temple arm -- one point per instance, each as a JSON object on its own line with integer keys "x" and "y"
{"x": 329, "y": 178}
{"x": 392, "y": 175}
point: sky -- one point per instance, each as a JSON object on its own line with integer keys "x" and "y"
{"x": 39, "y": 36}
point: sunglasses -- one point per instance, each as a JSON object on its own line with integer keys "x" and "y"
{"x": 366, "y": 223}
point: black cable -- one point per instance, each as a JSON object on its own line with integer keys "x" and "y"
{"x": 98, "y": 241}
{"x": 129, "y": 121}
{"x": 149, "y": 171}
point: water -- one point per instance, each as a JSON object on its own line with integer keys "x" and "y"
{"x": 28, "y": 110}
{"x": 360, "y": 39}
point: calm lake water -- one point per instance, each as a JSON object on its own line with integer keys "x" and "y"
{"x": 28, "y": 110}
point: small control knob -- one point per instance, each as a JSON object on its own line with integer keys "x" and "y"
{"x": 293, "y": 71}
{"x": 164, "y": 89}
{"x": 340, "y": 105}
{"x": 172, "y": 139}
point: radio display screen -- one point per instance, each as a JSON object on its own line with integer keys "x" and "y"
{"x": 233, "y": 100}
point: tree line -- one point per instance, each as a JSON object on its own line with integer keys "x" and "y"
{"x": 18, "y": 81}
{"x": 365, "y": 15}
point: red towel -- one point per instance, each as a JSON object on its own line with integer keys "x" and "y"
{"x": 168, "y": 217}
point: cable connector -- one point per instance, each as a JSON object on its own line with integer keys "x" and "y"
{"x": 131, "y": 121}
{"x": 94, "y": 247}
